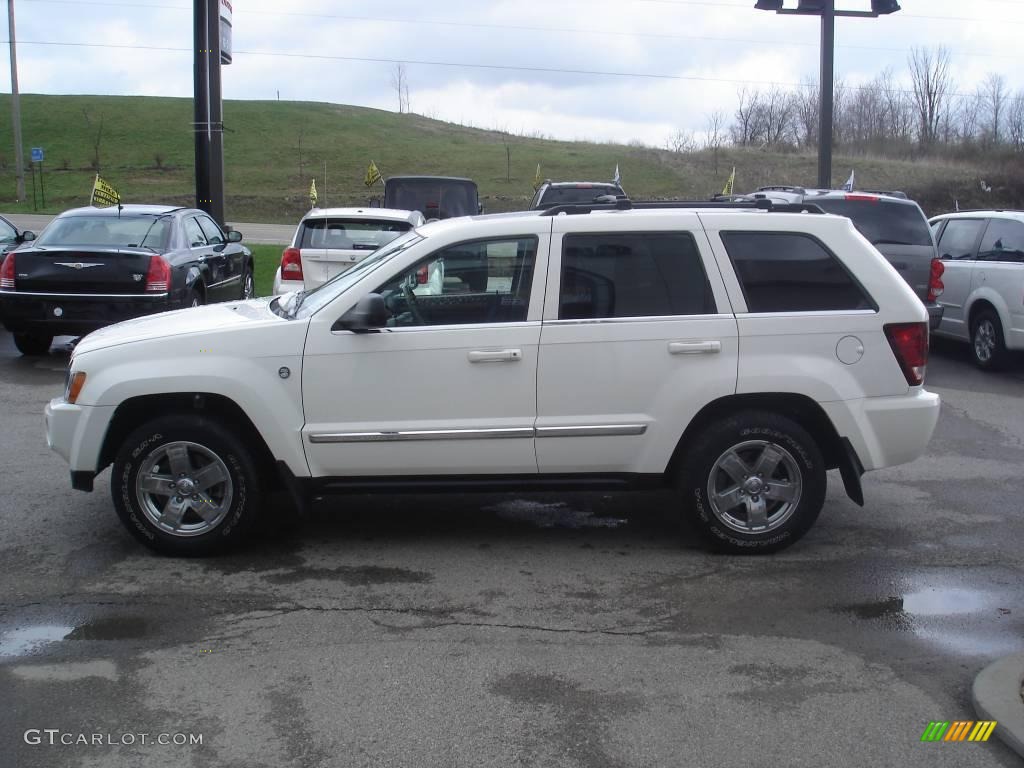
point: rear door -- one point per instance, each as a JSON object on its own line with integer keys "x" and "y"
{"x": 638, "y": 335}
{"x": 1000, "y": 268}
{"x": 958, "y": 249}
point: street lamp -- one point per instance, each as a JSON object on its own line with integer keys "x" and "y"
{"x": 827, "y": 10}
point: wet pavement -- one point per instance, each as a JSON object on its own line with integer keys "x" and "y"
{"x": 498, "y": 630}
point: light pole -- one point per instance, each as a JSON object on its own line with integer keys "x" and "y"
{"x": 826, "y": 9}
{"x": 19, "y": 160}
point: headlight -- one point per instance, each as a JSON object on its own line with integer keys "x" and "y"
{"x": 74, "y": 386}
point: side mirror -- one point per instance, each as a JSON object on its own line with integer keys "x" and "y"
{"x": 234, "y": 236}
{"x": 27, "y": 236}
{"x": 369, "y": 314}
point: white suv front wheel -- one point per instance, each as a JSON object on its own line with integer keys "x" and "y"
{"x": 753, "y": 483}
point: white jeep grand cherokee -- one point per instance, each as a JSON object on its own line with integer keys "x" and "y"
{"x": 735, "y": 352}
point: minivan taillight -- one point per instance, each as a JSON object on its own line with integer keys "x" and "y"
{"x": 7, "y": 272}
{"x": 935, "y": 284}
{"x": 158, "y": 278}
{"x": 291, "y": 264}
{"x": 909, "y": 342}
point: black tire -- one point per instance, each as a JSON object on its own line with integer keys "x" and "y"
{"x": 988, "y": 345}
{"x": 194, "y": 298}
{"x": 799, "y": 471}
{"x": 237, "y": 498}
{"x": 33, "y": 344}
{"x": 248, "y": 290}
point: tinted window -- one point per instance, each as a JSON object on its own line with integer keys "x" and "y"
{"x": 577, "y": 194}
{"x": 351, "y": 234}
{"x": 7, "y": 233}
{"x": 194, "y": 233}
{"x": 435, "y": 199}
{"x": 882, "y": 222}
{"x": 959, "y": 237}
{"x": 213, "y": 234}
{"x": 487, "y": 281}
{"x": 791, "y": 272}
{"x": 1003, "y": 241}
{"x": 125, "y": 231}
{"x": 632, "y": 275}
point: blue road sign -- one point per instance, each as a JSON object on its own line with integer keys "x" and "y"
{"x": 37, "y": 154}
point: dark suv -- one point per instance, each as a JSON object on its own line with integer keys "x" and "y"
{"x": 895, "y": 225}
{"x": 552, "y": 193}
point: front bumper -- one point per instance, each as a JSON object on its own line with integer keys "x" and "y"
{"x": 75, "y": 314}
{"x": 885, "y": 431}
{"x": 76, "y": 433}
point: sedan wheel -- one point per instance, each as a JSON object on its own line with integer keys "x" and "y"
{"x": 248, "y": 286}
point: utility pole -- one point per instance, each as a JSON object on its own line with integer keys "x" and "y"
{"x": 19, "y": 160}
{"x": 208, "y": 120}
{"x": 827, "y": 10}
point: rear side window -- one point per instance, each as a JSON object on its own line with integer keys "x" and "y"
{"x": 791, "y": 272}
{"x": 1003, "y": 241}
{"x": 882, "y": 222}
{"x": 959, "y": 237}
{"x": 351, "y": 234}
{"x": 632, "y": 275}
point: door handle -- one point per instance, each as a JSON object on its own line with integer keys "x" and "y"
{"x": 694, "y": 347}
{"x": 495, "y": 356}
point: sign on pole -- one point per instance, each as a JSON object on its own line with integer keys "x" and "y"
{"x": 37, "y": 154}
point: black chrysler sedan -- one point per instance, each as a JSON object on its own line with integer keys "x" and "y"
{"x": 92, "y": 267}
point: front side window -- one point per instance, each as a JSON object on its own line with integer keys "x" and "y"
{"x": 213, "y": 234}
{"x": 194, "y": 233}
{"x": 8, "y": 234}
{"x": 1003, "y": 241}
{"x": 351, "y": 234}
{"x": 959, "y": 237}
{"x": 791, "y": 272}
{"x": 486, "y": 281}
{"x": 125, "y": 231}
{"x": 651, "y": 274}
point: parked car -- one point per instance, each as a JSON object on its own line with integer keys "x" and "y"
{"x": 552, "y": 193}
{"x": 329, "y": 241}
{"x": 730, "y": 352}
{"x": 436, "y": 197}
{"x": 92, "y": 267}
{"x": 983, "y": 252}
{"x": 11, "y": 238}
{"x": 895, "y": 225}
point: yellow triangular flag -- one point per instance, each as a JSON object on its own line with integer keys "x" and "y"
{"x": 731, "y": 183}
{"x": 103, "y": 194}
{"x": 372, "y": 175}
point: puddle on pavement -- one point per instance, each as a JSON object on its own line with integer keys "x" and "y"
{"x": 27, "y": 640}
{"x": 551, "y": 515}
{"x": 111, "y": 628}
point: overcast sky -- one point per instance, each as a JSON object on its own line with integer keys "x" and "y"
{"x": 701, "y": 51}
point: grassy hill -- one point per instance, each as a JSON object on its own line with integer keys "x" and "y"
{"x": 145, "y": 149}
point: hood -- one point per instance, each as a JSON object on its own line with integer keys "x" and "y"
{"x": 213, "y": 318}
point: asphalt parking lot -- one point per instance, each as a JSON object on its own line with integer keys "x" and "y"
{"x": 500, "y": 630}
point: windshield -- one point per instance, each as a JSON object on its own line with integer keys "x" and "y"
{"x": 351, "y": 234}
{"x": 577, "y": 194}
{"x": 110, "y": 231}
{"x": 883, "y": 222}
{"x": 308, "y": 303}
{"x": 435, "y": 199}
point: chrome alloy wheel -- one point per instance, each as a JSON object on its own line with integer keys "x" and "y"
{"x": 984, "y": 340}
{"x": 248, "y": 287}
{"x": 754, "y": 486}
{"x": 184, "y": 488}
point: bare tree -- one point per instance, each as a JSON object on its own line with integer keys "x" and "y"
{"x": 993, "y": 96}
{"x": 682, "y": 142}
{"x": 1015, "y": 122}
{"x": 807, "y": 103}
{"x": 95, "y": 138}
{"x": 715, "y": 135}
{"x": 748, "y": 114}
{"x": 932, "y": 82}
{"x": 400, "y": 82}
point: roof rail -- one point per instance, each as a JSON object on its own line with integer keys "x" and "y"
{"x": 625, "y": 204}
{"x": 783, "y": 188}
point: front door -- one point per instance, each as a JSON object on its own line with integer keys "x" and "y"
{"x": 638, "y": 335}
{"x": 449, "y": 387}
{"x": 226, "y": 262}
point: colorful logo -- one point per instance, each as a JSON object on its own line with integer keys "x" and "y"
{"x": 958, "y": 730}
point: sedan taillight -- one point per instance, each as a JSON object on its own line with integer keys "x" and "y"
{"x": 158, "y": 278}
{"x": 7, "y": 272}
{"x": 291, "y": 264}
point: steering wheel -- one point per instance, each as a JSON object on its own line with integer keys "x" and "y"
{"x": 410, "y": 302}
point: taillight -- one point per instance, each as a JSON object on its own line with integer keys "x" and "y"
{"x": 909, "y": 342}
{"x": 158, "y": 278}
{"x": 423, "y": 274}
{"x": 7, "y": 273}
{"x": 935, "y": 285}
{"x": 291, "y": 264}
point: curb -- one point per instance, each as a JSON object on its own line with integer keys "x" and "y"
{"x": 996, "y": 695}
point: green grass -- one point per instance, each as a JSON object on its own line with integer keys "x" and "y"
{"x": 266, "y": 259}
{"x": 146, "y": 152}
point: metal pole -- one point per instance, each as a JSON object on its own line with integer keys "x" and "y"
{"x": 216, "y": 113}
{"x": 199, "y": 105}
{"x": 32, "y": 170}
{"x": 207, "y": 112}
{"x": 828, "y": 47}
{"x": 42, "y": 189}
{"x": 19, "y": 160}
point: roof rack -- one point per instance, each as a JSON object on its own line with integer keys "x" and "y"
{"x": 783, "y": 188}
{"x": 625, "y": 204}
